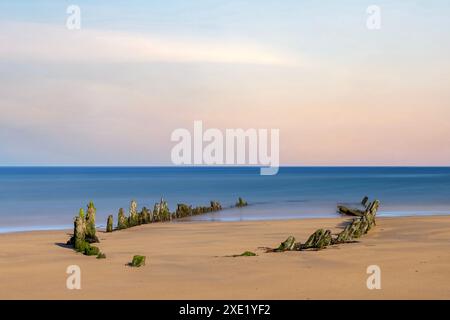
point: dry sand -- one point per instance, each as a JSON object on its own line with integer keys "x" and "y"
{"x": 188, "y": 261}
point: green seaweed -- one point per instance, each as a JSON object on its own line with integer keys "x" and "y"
{"x": 247, "y": 254}
{"x": 137, "y": 261}
{"x": 91, "y": 250}
{"x": 244, "y": 254}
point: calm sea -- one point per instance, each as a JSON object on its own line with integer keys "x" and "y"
{"x": 47, "y": 198}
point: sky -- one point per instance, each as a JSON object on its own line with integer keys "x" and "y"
{"x": 112, "y": 92}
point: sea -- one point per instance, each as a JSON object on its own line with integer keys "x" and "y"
{"x": 46, "y": 198}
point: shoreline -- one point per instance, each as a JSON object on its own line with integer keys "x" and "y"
{"x": 190, "y": 261}
{"x": 198, "y": 219}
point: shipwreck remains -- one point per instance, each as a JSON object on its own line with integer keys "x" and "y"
{"x": 122, "y": 222}
{"x": 241, "y": 203}
{"x": 84, "y": 232}
{"x": 184, "y": 210}
{"x": 109, "y": 224}
{"x": 321, "y": 238}
{"x": 355, "y": 210}
{"x": 160, "y": 213}
{"x": 286, "y": 245}
{"x": 84, "y": 224}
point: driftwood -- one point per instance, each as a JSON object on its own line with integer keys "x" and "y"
{"x": 321, "y": 238}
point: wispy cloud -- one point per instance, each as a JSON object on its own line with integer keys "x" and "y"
{"x": 51, "y": 43}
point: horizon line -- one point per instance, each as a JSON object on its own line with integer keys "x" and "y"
{"x": 223, "y": 166}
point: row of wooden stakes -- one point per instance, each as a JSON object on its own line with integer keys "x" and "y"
{"x": 84, "y": 233}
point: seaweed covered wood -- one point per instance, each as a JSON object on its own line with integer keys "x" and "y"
{"x": 321, "y": 238}
{"x": 241, "y": 203}
{"x": 318, "y": 240}
{"x": 91, "y": 237}
{"x": 350, "y": 211}
{"x": 355, "y": 210}
{"x": 84, "y": 227}
{"x": 287, "y": 245}
{"x": 109, "y": 224}
{"x": 122, "y": 221}
{"x": 184, "y": 210}
{"x": 215, "y": 206}
{"x": 133, "y": 219}
{"x": 84, "y": 232}
{"x": 144, "y": 216}
{"x": 160, "y": 213}
{"x": 244, "y": 254}
{"x": 360, "y": 226}
{"x": 79, "y": 232}
{"x": 364, "y": 201}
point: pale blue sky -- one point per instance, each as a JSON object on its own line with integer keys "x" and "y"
{"x": 137, "y": 70}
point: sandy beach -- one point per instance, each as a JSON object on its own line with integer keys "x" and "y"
{"x": 191, "y": 261}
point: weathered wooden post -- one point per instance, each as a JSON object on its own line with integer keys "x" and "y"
{"x": 109, "y": 224}
{"x": 79, "y": 233}
{"x": 133, "y": 218}
{"x": 90, "y": 223}
{"x": 156, "y": 212}
{"x": 241, "y": 203}
{"x": 161, "y": 211}
{"x": 215, "y": 206}
{"x": 364, "y": 201}
{"x": 144, "y": 216}
{"x": 122, "y": 222}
